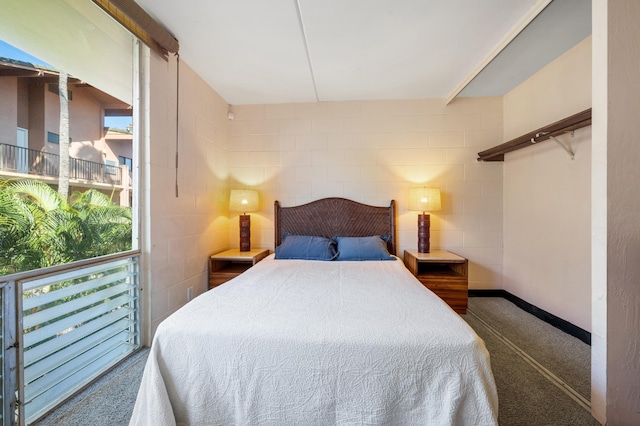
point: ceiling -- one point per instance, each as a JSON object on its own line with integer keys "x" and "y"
{"x": 282, "y": 51}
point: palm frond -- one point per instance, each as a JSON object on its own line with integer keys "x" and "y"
{"x": 38, "y": 228}
{"x": 39, "y": 192}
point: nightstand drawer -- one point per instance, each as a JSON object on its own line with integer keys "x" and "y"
{"x": 231, "y": 263}
{"x": 216, "y": 280}
{"x": 443, "y": 273}
{"x": 456, "y": 299}
{"x": 454, "y": 292}
{"x": 226, "y": 273}
{"x": 444, "y": 284}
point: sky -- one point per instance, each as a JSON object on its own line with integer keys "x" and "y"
{"x": 10, "y": 52}
{"x": 117, "y": 122}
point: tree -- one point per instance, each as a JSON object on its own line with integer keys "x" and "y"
{"x": 106, "y": 227}
{"x": 31, "y": 214}
{"x": 63, "y": 171}
{"x": 38, "y": 228}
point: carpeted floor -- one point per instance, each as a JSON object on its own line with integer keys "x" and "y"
{"x": 526, "y": 396}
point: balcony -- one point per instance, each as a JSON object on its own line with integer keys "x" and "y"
{"x": 25, "y": 161}
{"x": 72, "y": 323}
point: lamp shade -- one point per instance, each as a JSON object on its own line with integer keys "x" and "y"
{"x": 244, "y": 200}
{"x": 424, "y": 199}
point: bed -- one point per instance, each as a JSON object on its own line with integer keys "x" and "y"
{"x": 313, "y": 342}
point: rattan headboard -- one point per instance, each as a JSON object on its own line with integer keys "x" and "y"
{"x": 329, "y": 217}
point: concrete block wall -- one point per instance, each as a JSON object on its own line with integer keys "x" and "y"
{"x": 184, "y": 229}
{"x": 372, "y": 152}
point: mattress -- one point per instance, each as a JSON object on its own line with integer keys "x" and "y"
{"x": 298, "y": 342}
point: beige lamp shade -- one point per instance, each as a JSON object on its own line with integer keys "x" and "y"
{"x": 424, "y": 199}
{"x": 244, "y": 200}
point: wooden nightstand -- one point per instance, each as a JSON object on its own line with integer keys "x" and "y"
{"x": 231, "y": 263}
{"x": 444, "y": 273}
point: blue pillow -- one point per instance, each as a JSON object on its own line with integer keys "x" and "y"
{"x": 306, "y": 247}
{"x": 363, "y": 248}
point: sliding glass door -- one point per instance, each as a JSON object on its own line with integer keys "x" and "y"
{"x": 69, "y": 243}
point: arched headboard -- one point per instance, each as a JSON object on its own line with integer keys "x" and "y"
{"x": 329, "y": 217}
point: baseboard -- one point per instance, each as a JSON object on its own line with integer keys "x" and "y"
{"x": 487, "y": 293}
{"x": 545, "y": 316}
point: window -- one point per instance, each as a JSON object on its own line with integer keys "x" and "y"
{"x": 110, "y": 167}
{"x": 53, "y": 137}
{"x": 126, "y": 161}
{"x": 88, "y": 162}
{"x": 63, "y": 354}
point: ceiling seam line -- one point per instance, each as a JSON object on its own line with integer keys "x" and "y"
{"x": 306, "y": 48}
{"x": 537, "y": 8}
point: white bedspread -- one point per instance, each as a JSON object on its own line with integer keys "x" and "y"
{"x": 294, "y": 342}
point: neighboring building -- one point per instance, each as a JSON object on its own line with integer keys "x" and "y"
{"x": 29, "y": 131}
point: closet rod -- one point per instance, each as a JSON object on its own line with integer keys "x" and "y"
{"x": 569, "y": 124}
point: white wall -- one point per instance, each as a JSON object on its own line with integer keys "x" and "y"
{"x": 599, "y": 213}
{"x": 373, "y": 152}
{"x": 615, "y": 360}
{"x": 184, "y": 230}
{"x": 547, "y": 221}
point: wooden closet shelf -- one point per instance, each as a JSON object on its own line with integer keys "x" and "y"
{"x": 574, "y": 122}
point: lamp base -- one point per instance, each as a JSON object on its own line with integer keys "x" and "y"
{"x": 424, "y": 225}
{"x": 245, "y": 232}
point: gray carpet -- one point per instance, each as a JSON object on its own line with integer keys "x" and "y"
{"x": 565, "y": 355}
{"x": 526, "y": 396}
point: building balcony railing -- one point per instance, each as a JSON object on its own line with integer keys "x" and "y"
{"x": 33, "y": 162}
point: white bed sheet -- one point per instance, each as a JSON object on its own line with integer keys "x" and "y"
{"x": 294, "y": 342}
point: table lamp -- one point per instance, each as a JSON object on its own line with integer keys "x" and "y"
{"x": 244, "y": 200}
{"x": 424, "y": 200}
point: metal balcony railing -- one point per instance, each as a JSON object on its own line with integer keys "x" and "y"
{"x": 33, "y": 162}
{"x": 77, "y": 321}
{"x": 8, "y": 352}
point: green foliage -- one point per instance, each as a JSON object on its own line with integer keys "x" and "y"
{"x": 39, "y": 228}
